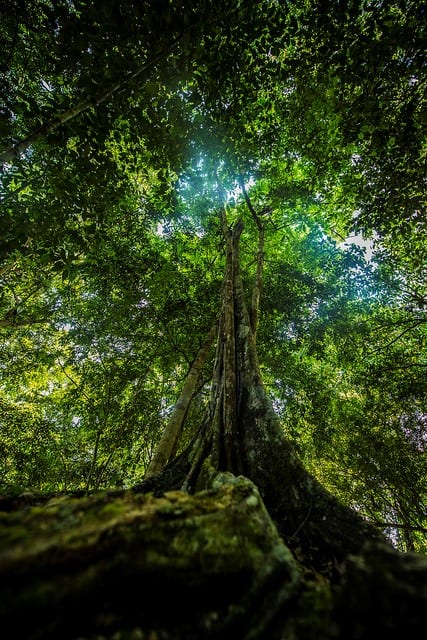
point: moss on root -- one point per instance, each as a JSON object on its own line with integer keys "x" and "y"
{"x": 126, "y": 566}
{"x": 133, "y": 564}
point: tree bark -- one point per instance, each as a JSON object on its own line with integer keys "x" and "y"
{"x": 242, "y": 434}
{"x": 173, "y": 429}
{"x": 257, "y": 288}
{"x": 120, "y": 565}
{"x": 116, "y": 562}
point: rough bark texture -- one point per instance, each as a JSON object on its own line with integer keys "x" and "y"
{"x": 256, "y": 291}
{"x": 242, "y": 434}
{"x": 121, "y": 565}
{"x": 270, "y": 555}
{"x": 180, "y": 566}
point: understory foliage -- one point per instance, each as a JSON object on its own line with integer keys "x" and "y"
{"x": 126, "y": 129}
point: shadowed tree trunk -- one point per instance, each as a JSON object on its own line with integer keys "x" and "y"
{"x": 242, "y": 434}
{"x": 233, "y": 539}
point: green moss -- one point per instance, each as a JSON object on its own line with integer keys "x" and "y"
{"x": 134, "y": 552}
{"x": 313, "y": 615}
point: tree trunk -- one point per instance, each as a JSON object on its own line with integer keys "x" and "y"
{"x": 242, "y": 434}
{"x": 173, "y": 430}
{"x": 260, "y": 550}
{"x": 122, "y": 565}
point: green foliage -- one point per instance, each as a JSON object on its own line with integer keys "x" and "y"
{"x": 29, "y": 451}
{"x": 133, "y": 119}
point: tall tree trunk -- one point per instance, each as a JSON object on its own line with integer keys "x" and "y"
{"x": 256, "y": 291}
{"x": 257, "y": 288}
{"x": 173, "y": 429}
{"x": 214, "y": 564}
{"x": 242, "y": 434}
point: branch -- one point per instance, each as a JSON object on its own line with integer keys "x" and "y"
{"x": 256, "y": 291}
{"x": 409, "y": 365}
{"x": 76, "y": 384}
{"x": 402, "y": 333}
{"x": 10, "y": 194}
{"x": 94, "y": 459}
{"x": 45, "y": 129}
{"x": 249, "y": 205}
{"x": 169, "y": 440}
{"x": 397, "y": 525}
{"x": 416, "y": 322}
{"x": 24, "y": 322}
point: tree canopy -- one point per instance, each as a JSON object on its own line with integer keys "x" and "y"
{"x": 128, "y": 130}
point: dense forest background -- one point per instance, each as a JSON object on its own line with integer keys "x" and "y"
{"x": 125, "y": 127}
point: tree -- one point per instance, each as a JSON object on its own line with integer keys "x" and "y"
{"x": 240, "y": 436}
{"x": 234, "y": 533}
